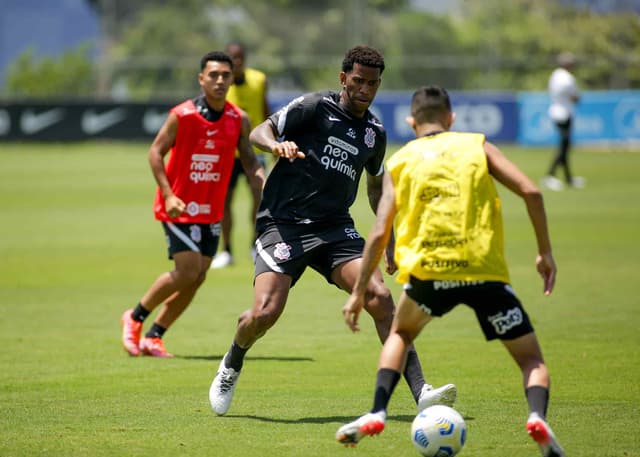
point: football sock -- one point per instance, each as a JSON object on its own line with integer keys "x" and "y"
{"x": 156, "y": 331}
{"x": 140, "y": 313}
{"x": 235, "y": 357}
{"x": 538, "y": 399}
{"x": 413, "y": 374}
{"x": 386, "y": 381}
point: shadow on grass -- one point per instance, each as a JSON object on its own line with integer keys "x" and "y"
{"x": 323, "y": 420}
{"x": 269, "y": 358}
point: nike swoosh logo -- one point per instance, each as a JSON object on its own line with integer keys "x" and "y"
{"x": 152, "y": 120}
{"x": 333, "y": 118}
{"x": 93, "y": 122}
{"x": 31, "y": 123}
{"x": 211, "y": 132}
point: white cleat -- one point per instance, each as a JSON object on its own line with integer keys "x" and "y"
{"x": 445, "y": 395}
{"x": 578, "y": 182}
{"x": 542, "y": 434}
{"x": 222, "y": 388}
{"x": 222, "y": 260}
{"x": 368, "y": 425}
{"x": 552, "y": 183}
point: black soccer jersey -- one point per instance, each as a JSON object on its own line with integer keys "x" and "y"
{"x": 338, "y": 146}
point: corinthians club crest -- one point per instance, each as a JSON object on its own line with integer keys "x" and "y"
{"x": 282, "y": 251}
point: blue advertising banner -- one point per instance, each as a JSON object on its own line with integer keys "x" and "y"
{"x": 494, "y": 114}
{"x": 601, "y": 117}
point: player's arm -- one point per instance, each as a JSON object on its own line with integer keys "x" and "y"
{"x": 507, "y": 173}
{"x": 252, "y": 167}
{"x": 160, "y": 146}
{"x": 374, "y": 193}
{"x": 265, "y": 100}
{"x": 264, "y": 137}
{"x": 376, "y": 242}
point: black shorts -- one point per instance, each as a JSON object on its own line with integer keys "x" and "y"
{"x": 497, "y": 308}
{"x": 202, "y": 238}
{"x": 289, "y": 248}
{"x": 238, "y": 169}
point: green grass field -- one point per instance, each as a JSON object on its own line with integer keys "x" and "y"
{"x": 78, "y": 245}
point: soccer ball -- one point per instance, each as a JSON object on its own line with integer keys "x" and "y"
{"x": 438, "y": 431}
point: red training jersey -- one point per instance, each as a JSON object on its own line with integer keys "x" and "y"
{"x": 200, "y": 163}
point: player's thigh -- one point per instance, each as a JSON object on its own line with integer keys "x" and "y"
{"x": 188, "y": 264}
{"x": 270, "y": 293}
{"x": 409, "y": 318}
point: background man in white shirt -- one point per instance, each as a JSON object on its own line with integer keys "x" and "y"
{"x": 564, "y": 94}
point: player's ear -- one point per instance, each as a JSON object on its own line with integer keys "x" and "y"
{"x": 411, "y": 121}
{"x": 343, "y": 78}
{"x": 452, "y": 119}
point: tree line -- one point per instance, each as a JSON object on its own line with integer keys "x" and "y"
{"x": 151, "y": 49}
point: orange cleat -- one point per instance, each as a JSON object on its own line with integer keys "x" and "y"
{"x": 131, "y": 330}
{"x": 368, "y": 425}
{"x": 154, "y": 347}
{"x": 541, "y": 433}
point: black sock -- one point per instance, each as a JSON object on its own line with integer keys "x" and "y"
{"x": 386, "y": 381}
{"x": 156, "y": 331}
{"x": 538, "y": 399}
{"x": 140, "y": 313}
{"x": 413, "y": 374}
{"x": 235, "y": 357}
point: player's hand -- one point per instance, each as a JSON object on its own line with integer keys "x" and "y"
{"x": 288, "y": 150}
{"x": 389, "y": 260}
{"x": 174, "y": 206}
{"x": 546, "y": 266}
{"x": 351, "y": 311}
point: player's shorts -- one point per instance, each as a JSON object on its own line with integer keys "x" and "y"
{"x": 238, "y": 169}
{"x": 291, "y": 248}
{"x": 202, "y": 238}
{"x": 497, "y": 308}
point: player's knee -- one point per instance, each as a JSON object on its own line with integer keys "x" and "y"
{"x": 258, "y": 321}
{"x": 187, "y": 276}
{"x": 379, "y": 302}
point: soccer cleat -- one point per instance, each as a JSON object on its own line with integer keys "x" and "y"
{"x": 222, "y": 388}
{"x": 154, "y": 347}
{"x": 222, "y": 260}
{"x": 368, "y": 425}
{"x": 552, "y": 183}
{"x": 541, "y": 433}
{"x": 131, "y": 330}
{"x": 578, "y": 182}
{"x": 445, "y": 395}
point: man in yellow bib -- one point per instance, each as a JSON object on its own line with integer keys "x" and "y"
{"x": 249, "y": 93}
{"x": 449, "y": 249}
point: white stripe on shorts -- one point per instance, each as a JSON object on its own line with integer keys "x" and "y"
{"x": 184, "y": 238}
{"x": 267, "y": 258}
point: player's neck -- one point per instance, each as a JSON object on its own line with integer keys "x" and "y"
{"x": 215, "y": 105}
{"x": 429, "y": 129}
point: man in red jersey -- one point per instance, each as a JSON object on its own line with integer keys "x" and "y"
{"x": 202, "y": 135}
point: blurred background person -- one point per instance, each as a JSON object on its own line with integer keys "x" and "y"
{"x": 249, "y": 93}
{"x": 564, "y": 94}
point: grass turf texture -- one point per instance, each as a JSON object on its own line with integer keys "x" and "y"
{"x": 78, "y": 245}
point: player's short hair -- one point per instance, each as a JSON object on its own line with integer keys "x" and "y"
{"x": 566, "y": 59}
{"x": 430, "y": 104}
{"x": 363, "y": 55}
{"x": 215, "y": 56}
{"x": 236, "y": 44}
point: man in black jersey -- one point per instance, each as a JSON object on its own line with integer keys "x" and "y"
{"x": 323, "y": 142}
